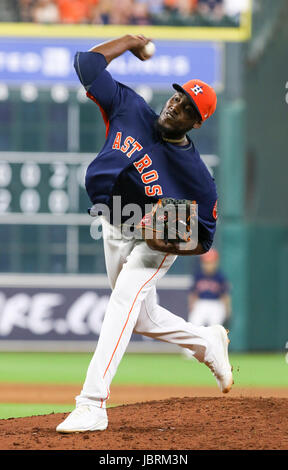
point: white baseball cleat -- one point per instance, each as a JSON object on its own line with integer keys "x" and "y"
{"x": 84, "y": 418}
{"x": 218, "y": 360}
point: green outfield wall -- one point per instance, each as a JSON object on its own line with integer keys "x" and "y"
{"x": 253, "y": 128}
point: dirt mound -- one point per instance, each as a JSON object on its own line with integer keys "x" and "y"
{"x": 178, "y": 423}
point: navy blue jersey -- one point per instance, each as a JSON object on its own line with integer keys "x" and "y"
{"x": 135, "y": 162}
{"x": 209, "y": 287}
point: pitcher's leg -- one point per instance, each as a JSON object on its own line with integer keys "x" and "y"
{"x": 207, "y": 344}
{"x": 144, "y": 267}
{"x": 161, "y": 324}
{"x": 116, "y": 250}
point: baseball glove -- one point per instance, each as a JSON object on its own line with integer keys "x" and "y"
{"x": 173, "y": 220}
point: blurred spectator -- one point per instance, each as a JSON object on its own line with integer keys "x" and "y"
{"x": 211, "y": 9}
{"x": 46, "y": 11}
{"x": 75, "y": 11}
{"x": 140, "y": 12}
{"x": 100, "y": 12}
{"x": 26, "y": 10}
{"x": 209, "y": 298}
{"x": 137, "y": 12}
{"x": 113, "y": 12}
{"x": 155, "y": 7}
{"x": 188, "y": 7}
{"x": 121, "y": 12}
{"x": 177, "y": 12}
{"x": 184, "y": 7}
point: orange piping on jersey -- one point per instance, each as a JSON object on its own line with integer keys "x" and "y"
{"x": 104, "y": 115}
{"x": 130, "y": 313}
{"x": 106, "y": 398}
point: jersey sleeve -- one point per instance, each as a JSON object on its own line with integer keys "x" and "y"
{"x": 98, "y": 82}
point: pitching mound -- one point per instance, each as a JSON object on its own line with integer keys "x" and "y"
{"x": 177, "y": 423}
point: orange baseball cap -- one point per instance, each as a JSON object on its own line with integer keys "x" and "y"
{"x": 203, "y": 97}
{"x": 211, "y": 255}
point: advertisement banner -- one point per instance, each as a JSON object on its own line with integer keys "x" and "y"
{"x": 65, "y": 314}
{"x": 46, "y": 61}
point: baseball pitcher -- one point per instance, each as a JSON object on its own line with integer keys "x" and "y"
{"x": 147, "y": 160}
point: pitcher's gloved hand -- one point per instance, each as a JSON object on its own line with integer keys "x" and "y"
{"x": 173, "y": 220}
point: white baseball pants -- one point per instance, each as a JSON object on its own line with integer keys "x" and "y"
{"x": 133, "y": 270}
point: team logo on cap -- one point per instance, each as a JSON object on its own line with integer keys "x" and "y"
{"x": 197, "y": 89}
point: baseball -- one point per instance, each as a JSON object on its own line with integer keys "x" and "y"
{"x": 149, "y": 49}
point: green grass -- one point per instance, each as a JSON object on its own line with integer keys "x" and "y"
{"x": 20, "y": 410}
{"x": 262, "y": 370}
{"x": 267, "y": 370}
{"x": 65, "y": 368}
